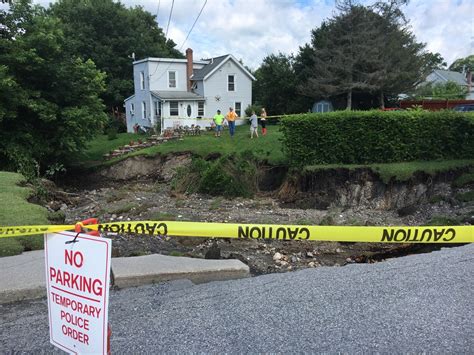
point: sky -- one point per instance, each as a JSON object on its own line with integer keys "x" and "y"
{"x": 253, "y": 29}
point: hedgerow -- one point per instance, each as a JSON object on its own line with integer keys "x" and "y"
{"x": 364, "y": 137}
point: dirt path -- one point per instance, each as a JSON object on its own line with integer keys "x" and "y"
{"x": 155, "y": 201}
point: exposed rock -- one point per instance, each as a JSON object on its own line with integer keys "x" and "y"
{"x": 277, "y": 256}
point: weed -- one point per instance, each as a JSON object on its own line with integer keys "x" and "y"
{"x": 436, "y": 199}
{"x": 179, "y": 203}
{"x": 176, "y": 253}
{"x": 216, "y": 204}
{"x": 122, "y": 208}
{"x": 162, "y": 216}
{"x": 57, "y": 217}
{"x": 443, "y": 221}
{"x": 465, "y": 196}
{"x": 327, "y": 220}
{"x": 304, "y": 222}
{"x": 355, "y": 222}
{"x": 138, "y": 253}
{"x": 464, "y": 180}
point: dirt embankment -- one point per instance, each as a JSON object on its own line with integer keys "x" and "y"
{"x": 362, "y": 187}
{"x": 139, "y": 188}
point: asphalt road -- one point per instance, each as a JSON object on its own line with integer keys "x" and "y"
{"x": 414, "y": 304}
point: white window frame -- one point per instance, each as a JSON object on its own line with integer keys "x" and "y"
{"x": 240, "y": 109}
{"x": 228, "y": 82}
{"x": 177, "y": 107}
{"x": 175, "y": 79}
{"x": 143, "y": 110}
{"x": 142, "y": 80}
{"x": 132, "y": 109}
{"x": 201, "y": 111}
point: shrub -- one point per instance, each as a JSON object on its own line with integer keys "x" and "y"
{"x": 365, "y": 137}
{"x": 230, "y": 176}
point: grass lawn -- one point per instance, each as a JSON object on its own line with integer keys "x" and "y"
{"x": 102, "y": 145}
{"x": 16, "y": 210}
{"x": 268, "y": 147}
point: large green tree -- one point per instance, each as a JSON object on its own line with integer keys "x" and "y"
{"x": 275, "y": 87}
{"x": 364, "y": 50}
{"x": 49, "y": 98}
{"x": 108, "y": 33}
{"x": 461, "y": 64}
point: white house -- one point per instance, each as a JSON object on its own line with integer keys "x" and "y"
{"x": 185, "y": 92}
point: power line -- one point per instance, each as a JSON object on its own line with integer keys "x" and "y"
{"x": 169, "y": 19}
{"x": 158, "y": 10}
{"x": 182, "y": 45}
{"x": 192, "y": 27}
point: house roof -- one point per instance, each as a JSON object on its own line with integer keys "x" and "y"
{"x": 200, "y": 74}
{"x": 216, "y": 63}
{"x": 448, "y": 75}
{"x": 130, "y": 97}
{"x": 176, "y": 95}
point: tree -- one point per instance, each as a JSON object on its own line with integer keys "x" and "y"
{"x": 108, "y": 33}
{"x": 275, "y": 87}
{"x": 444, "y": 91}
{"x": 365, "y": 50}
{"x": 461, "y": 64}
{"x": 49, "y": 100}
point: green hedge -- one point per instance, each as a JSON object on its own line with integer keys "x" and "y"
{"x": 364, "y": 137}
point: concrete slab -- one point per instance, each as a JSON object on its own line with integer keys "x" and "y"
{"x": 22, "y": 276}
{"x": 141, "y": 270}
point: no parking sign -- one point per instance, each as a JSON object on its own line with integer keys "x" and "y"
{"x": 77, "y": 276}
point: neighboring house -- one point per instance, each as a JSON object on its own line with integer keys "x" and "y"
{"x": 185, "y": 92}
{"x": 462, "y": 79}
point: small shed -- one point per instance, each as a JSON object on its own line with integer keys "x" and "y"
{"x": 322, "y": 106}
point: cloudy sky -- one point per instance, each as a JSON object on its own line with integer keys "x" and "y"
{"x": 253, "y": 29}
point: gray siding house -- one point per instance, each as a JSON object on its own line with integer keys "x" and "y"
{"x": 180, "y": 92}
{"x": 462, "y": 79}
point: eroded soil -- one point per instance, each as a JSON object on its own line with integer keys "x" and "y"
{"x": 150, "y": 200}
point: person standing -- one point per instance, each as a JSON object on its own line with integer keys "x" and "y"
{"x": 218, "y": 118}
{"x": 253, "y": 125}
{"x": 263, "y": 121}
{"x": 230, "y": 117}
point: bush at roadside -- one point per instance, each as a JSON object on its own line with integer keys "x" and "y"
{"x": 365, "y": 137}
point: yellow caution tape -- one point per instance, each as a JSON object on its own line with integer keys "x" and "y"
{"x": 432, "y": 234}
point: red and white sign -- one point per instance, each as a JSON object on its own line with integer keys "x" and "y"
{"x": 78, "y": 278}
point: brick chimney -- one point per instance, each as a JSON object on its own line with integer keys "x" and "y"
{"x": 189, "y": 67}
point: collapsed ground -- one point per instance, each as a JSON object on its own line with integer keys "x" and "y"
{"x": 154, "y": 200}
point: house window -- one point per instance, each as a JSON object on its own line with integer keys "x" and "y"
{"x": 189, "y": 110}
{"x": 171, "y": 79}
{"x": 132, "y": 109}
{"x": 201, "y": 108}
{"x": 157, "y": 109}
{"x": 238, "y": 109}
{"x": 231, "y": 83}
{"x": 143, "y": 109}
{"x": 142, "y": 80}
{"x": 174, "y": 108}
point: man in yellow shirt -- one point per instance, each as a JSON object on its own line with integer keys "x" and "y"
{"x": 230, "y": 117}
{"x": 218, "y": 118}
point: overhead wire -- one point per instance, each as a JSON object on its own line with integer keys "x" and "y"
{"x": 169, "y": 19}
{"x": 182, "y": 45}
